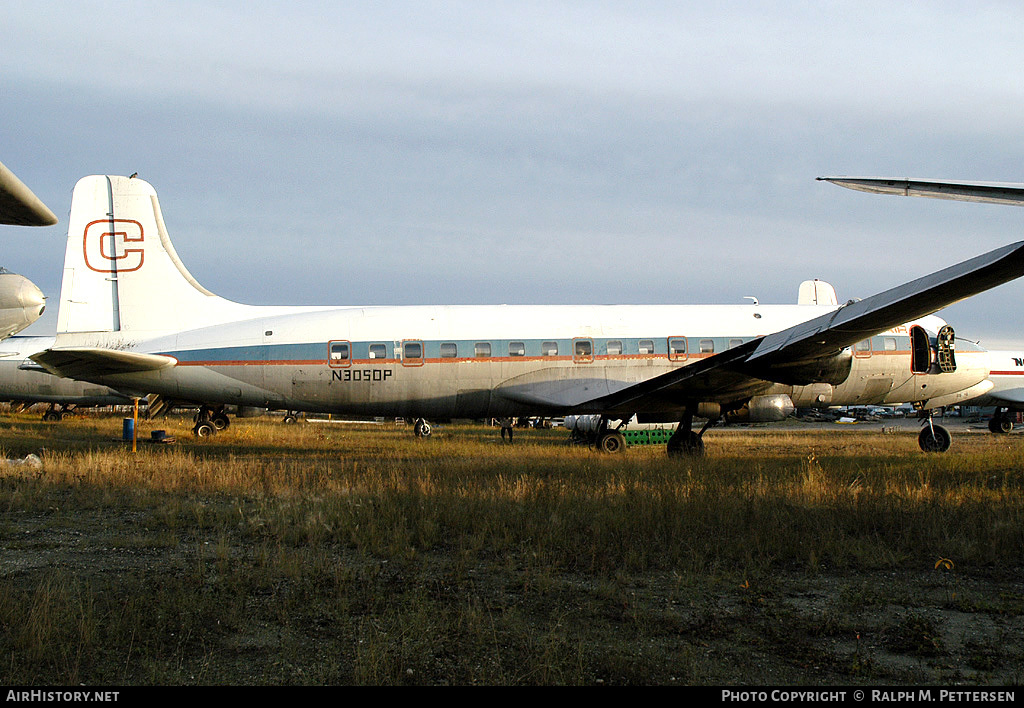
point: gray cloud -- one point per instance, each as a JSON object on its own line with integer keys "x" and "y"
{"x": 526, "y": 152}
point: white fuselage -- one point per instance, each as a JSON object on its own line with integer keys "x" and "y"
{"x": 480, "y": 361}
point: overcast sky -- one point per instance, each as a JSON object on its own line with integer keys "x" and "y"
{"x": 518, "y": 152}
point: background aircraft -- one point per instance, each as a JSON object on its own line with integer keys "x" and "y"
{"x": 132, "y": 317}
{"x": 22, "y": 381}
{"x": 21, "y": 302}
{"x": 1007, "y": 392}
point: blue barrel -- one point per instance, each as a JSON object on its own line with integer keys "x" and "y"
{"x": 128, "y": 430}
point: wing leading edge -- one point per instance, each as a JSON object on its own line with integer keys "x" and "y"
{"x": 988, "y": 192}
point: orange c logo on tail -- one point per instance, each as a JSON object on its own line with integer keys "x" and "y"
{"x": 105, "y": 246}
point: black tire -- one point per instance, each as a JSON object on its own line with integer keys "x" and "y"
{"x": 691, "y": 446}
{"x": 422, "y": 429}
{"x": 205, "y": 429}
{"x": 934, "y": 438}
{"x": 221, "y": 421}
{"x": 612, "y": 442}
{"x": 52, "y": 416}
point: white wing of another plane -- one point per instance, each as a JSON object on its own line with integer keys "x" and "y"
{"x": 18, "y": 205}
{"x": 989, "y": 192}
{"x": 21, "y": 302}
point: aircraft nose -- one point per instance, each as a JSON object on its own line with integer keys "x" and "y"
{"x": 31, "y": 297}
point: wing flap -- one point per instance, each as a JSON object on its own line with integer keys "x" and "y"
{"x": 91, "y": 362}
{"x": 718, "y": 378}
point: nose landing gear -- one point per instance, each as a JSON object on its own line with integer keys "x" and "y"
{"x": 934, "y": 438}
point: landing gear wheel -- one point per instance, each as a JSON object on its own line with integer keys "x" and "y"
{"x": 1000, "y": 424}
{"x": 291, "y": 418}
{"x": 220, "y": 421}
{"x": 612, "y": 442}
{"x": 204, "y": 429}
{"x": 52, "y": 416}
{"x": 686, "y": 445}
{"x": 421, "y": 429}
{"x": 934, "y": 438}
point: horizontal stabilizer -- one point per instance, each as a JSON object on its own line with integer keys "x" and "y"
{"x": 858, "y": 319}
{"x": 989, "y": 192}
{"x": 91, "y": 362}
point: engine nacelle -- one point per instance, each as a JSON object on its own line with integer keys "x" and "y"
{"x": 763, "y": 409}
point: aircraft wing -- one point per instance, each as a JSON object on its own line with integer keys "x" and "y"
{"x": 1011, "y": 395}
{"x": 18, "y": 205}
{"x": 989, "y": 192}
{"x": 91, "y": 362}
{"x": 738, "y": 372}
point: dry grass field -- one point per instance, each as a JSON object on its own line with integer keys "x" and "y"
{"x": 327, "y": 553}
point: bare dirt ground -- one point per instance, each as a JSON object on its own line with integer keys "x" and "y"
{"x": 341, "y": 616}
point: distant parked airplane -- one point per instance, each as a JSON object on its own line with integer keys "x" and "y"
{"x": 22, "y": 381}
{"x": 21, "y": 302}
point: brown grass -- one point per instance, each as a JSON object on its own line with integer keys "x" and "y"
{"x": 334, "y": 553}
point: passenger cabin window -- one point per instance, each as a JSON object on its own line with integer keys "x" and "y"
{"x": 862, "y": 348}
{"x": 549, "y": 348}
{"x": 339, "y": 353}
{"x": 582, "y": 351}
{"x": 889, "y": 344}
{"x": 412, "y": 353}
{"x": 482, "y": 350}
{"x": 733, "y": 343}
{"x": 676, "y": 348}
{"x": 516, "y": 349}
{"x": 378, "y": 351}
{"x": 646, "y": 346}
{"x": 449, "y": 350}
{"x": 614, "y": 347}
{"x": 707, "y": 346}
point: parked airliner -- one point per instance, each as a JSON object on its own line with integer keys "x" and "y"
{"x": 24, "y": 382}
{"x": 133, "y": 318}
{"x": 21, "y": 302}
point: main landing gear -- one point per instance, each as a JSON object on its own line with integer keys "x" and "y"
{"x": 208, "y": 422}
{"x": 686, "y": 443}
{"x": 1001, "y": 422}
{"x": 421, "y": 428}
{"x": 53, "y": 415}
{"x": 601, "y": 438}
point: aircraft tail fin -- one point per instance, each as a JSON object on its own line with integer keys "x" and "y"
{"x": 121, "y": 273}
